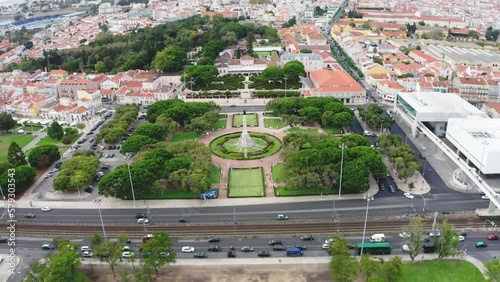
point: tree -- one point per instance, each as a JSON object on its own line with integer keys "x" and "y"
{"x": 110, "y": 252}
{"x": 43, "y": 155}
{"x": 55, "y": 131}
{"x": 492, "y": 272}
{"x": 203, "y": 73}
{"x": 170, "y": 59}
{"x": 16, "y": 155}
{"x": 76, "y": 173}
{"x": 291, "y": 120}
{"x": 136, "y": 143}
{"x": 273, "y": 74}
{"x": 446, "y": 244}
{"x": 250, "y": 42}
{"x": 169, "y": 124}
{"x": 310, "y": 114}
{"x": 154, "y": 131}
{"x": 294, "y": 69}
{"x": 156, "y": 252}
{"x": 393, "y": 269}
{"x": 196, "y": 182}
{"x": 199, "y": 124}
{"x": 413, "y": 238}
{"x": 6, "y": 121}
{"x": 369, "y": 266}
{"x": 343, "y": 266}
{"x": 343, "y": 119}
{"x": 24, "y": 177}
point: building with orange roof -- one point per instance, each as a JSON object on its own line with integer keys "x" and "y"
{"x": 338, "y": 84}
{"x": 387, "y": 90}
{"x": 492, "y": 109}
{"x": 474, "y": 90}
{"x": 59, "y": 73}
{"x": 67, "y": 88}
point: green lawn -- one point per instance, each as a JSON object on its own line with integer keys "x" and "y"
{"x": 247, "y": 182}
{"x": 252, "y": 120}
{"x": 333, "y": 130}
{"x": 278, "y": 172}
{"x": 168, "y": 194}
{"x": 442, "y": 271}
{"x": 304, "y": 131}
{"x": 283, "y": 191}
{"x": 6, "y": 139}
{"x": 178, "y": 137}
{"x": 49, "y": 141}
{"x": 215, "y": 175}
{"x": 29, "y": 128}
{"x": 220, "y": 124}
{"x": 273, "y": 123}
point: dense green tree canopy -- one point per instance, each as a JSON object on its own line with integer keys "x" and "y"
{"x": 154, "y": 131}
{"x": 43, "y": 155}
{"x": 76, "y": 173}
{"x": 24, "y": 176}
{"x": 16, "y": 155}
{"x": 179, "y": 111}
{"x": 6, "y": 121}
{"x": 55, "y": 130}
{"x": 294, "y": 69}
{"x": 115, "y": 129}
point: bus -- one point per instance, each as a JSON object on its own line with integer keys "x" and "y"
{"x": 146, "y": 237}
{"x": 382, "y": 248}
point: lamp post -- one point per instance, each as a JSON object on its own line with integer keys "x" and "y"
{"x": 368, "y": 198}
{"x": 425, "y": 203}
{"x": 131, "y": 183}
{"x": 485, "y": 143}
{"x": 97, "y": 201}
{"x": 342, "y": 147}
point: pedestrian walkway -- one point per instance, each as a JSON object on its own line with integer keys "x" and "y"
{"x": 39, "y": 136}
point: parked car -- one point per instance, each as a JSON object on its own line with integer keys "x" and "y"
{"x": 214, "y": 239}
{"x": 127, "y": 254}
{"x": 493, "y": 236}
{"x": 392, "y": 189}
{"x": 201, "y": 255}
{"x": 87, "y": 254}
{"x": 307, "y": 238}
{"x": 264, "y": 254}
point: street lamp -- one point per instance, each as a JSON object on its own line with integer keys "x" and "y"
{"x": 425, "y": 203}
{"x": 342, "y": 147}
{"x": 368, "y": 198}
{"x": 130, "y": 177}
{"x": 97, "y": 201}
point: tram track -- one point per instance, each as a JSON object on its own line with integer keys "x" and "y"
{"x": 238, "y": 229}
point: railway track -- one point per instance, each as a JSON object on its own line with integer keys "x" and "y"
{"x": 239, "y": 229}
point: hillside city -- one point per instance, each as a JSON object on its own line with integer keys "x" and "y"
{"x": 226, "y": 122}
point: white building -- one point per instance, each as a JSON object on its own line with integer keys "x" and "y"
{"x": 478, "y": 139}
{"x": 310, "y": 61}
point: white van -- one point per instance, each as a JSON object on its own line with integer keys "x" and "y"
{"x": 376, "y": 238}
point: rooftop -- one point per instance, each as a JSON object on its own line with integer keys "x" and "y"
{"x": 439, "y": 104}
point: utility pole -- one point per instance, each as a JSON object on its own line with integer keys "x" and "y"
{"x": 368, "y": 198}
{"x": 342, "y": 147}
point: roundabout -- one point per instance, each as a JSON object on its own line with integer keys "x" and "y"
{"x": 264, "y": 145}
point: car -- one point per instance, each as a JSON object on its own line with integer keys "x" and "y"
{"x": 404, "y": 234}
{"x": 187, "y": 249}
{"x": 484, "y": 197}
{"x": 406, "y": 248}
{"x": 47, "y": 246}
{"x": 54, "y": 170}
{"x": 46, "y": 209}
{"x": 3, "y": 240}
{"x": 231, "y": 254}
{"x": 435, "y": 233}
{"x": 409, "y": 196}
{"x": 201, "y": 255}
{"x": 183, "y": 220}
{"x": 106, "y": 156}
{"x": 328, "y": 241}
{"x": 325, "y": 246}
{"x": 301, "y": 247}
{"x": 368, "y": 133}
{"x": 275, "y": 242}
{"x": 89, "y": 133}
{"x": 246, "y": 249}
{"x": 126, "y": 249}
{"x": 461, "y": 233}
{"x": 493, "y": 236}
{"x": 104, "y": 167}
{"x": 112, "y": 155}
{"x": 214, "y": 249}
{"x": 307, "y": 238}
{"x": 143, "y": 220}
{"x": 461, "y": 238}
{"x": 392, "y": 189}
{"x": 264, "y": 254}
{"x": 29, "y": 215}
{"x": 382, "y": 187}
{"x": 90, "y": 188}
{"x": 214, "y": 239}
{"x": 87, "y": 254}
{"x": 481, "y": 245}
{"x": 141, "y": 215}
{"x": 127, "y": 254}
{"x": 118, "y": 147}
{"x": 278, "y": 248}
{"x": 282, "y": 217}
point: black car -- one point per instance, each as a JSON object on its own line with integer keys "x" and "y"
{"x": 307, "y": 238}
{"x": 3, "y": 240}
{"x": 183, "y": 220}
{"x": 141, "y": 215}
{"x": 214, "y": 249}
{"x": 264, "y": 254}
{"x": 275, "y": 242}
{"x": 89, "y": 189}
{"x": 301, "y": 247}
{"x": 246, "y": 249}
{"x": 58, "y": 165}
{"x": 278, "y": 248}
{"x": 214, "y": 239}
{"x": 201, "y": 255}
{"x": 231, "y": 254}
{"x": 104, "y": 167}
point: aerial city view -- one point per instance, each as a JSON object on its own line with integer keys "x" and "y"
{"x": 254, "y": 140}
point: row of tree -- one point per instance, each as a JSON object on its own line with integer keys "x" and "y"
{"x": 401, "y": 155}
{"x": 291, "y": 71}
{"x": 76, "y": 173}
{"x": 57, "y": 132}
{"x": 160, "y": 167}
{"x": 374, "y": 118}
{"x": 179, "y": 111}
{"x": 326, "y": 111}
{"x": 314, "y": 162}
{"x": 113, "y": 130}
{"x": 16, "y": 168}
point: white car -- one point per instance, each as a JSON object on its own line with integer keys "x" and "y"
{"x": 461, "y": 238}
{"x": 87, "y": 254}
{"x": 127, "y": 254}
{"x": 409, "y": 196}
{"x": 46, "y": 209}
{"x": 484, "y": 197}
{"x": 325, "y": 246}
{"x": 143, "y": 220}
{"x": 328, "y": 241}
{"x": 367, "y": 133}
{"x": 187, "y": 249}
{"x": 404, "y": 234}
{"x": 435, "y": 233}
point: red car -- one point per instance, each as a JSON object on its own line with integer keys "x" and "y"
{"x": 32, "y": 215}
{"x": 493, "y": 237}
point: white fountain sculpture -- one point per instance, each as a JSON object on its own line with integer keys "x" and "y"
{"x": 245, "y": 140}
